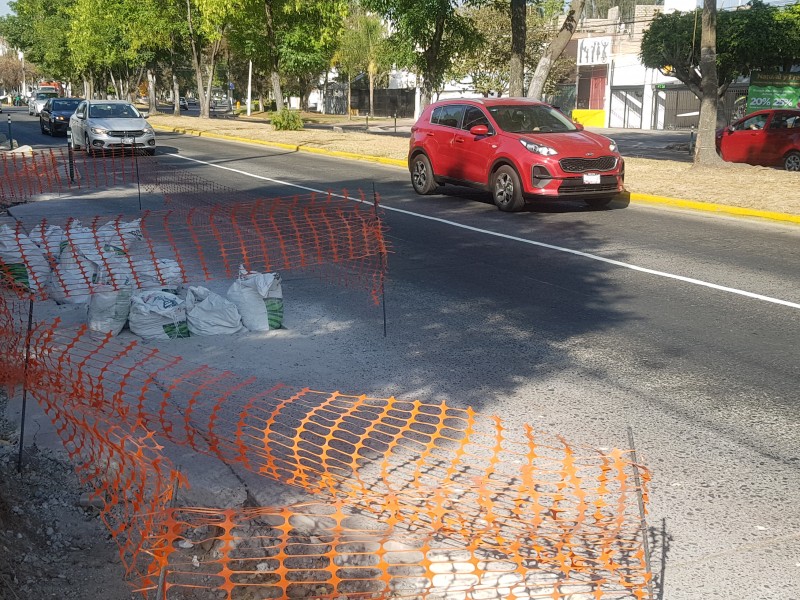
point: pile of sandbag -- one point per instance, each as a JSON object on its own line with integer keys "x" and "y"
{"x": 254, "y": 301}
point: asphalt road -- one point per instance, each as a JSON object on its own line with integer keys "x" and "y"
{"x": 683, "y": 326}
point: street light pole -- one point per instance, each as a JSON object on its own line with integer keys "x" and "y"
{"x": 21, "y": 56}
{"x": 249, "y": 87}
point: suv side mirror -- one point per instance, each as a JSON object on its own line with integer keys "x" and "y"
{"x": 479, "y": 130}
{"x": 578, "y": 126}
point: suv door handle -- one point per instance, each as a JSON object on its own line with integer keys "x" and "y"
{"x": 458, "y": 140}
{"x": 430, "y": 134}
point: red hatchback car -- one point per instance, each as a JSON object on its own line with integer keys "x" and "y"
{"x": 516, "y": 148}
{"x": 765, "y": 137}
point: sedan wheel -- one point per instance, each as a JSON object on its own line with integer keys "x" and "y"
{"x": 792, "y": 161}
{"x": 52, "y": 128}
{"x": 507, "y": 190}
{"x": 41, "y": 126}
{"x": 87, "y": 145}
{"x": 422, "y": 175}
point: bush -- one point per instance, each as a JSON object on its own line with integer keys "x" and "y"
{"x": 287, "y": 120}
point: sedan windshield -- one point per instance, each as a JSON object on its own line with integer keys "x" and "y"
{"x": 536, "y": 118}
{"x": 46, "y": 95}
{"x": 66, "y": 105}
{"x": 113, "y": 111}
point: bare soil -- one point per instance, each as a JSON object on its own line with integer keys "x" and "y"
{"x": 745, "y": 186}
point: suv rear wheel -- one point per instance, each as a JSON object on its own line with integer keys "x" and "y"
{"x": 507, "y": 189}
{"x": 422, "y": 175}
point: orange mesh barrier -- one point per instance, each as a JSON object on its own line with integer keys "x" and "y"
{"x": 527, "y": 499}
{"x": 333, "y": 238}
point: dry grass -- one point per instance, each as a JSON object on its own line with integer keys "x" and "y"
{"x": 733, "y": 185}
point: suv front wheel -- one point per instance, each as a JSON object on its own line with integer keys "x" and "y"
{"x": 422, "y": 175}
{"x": 507, "y": 189}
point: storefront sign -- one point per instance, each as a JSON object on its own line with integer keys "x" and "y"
{"x": 594, "y": 51}
{"x": 773, "y": 90}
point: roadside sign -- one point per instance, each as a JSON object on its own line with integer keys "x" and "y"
{"x": 773, "y": 90}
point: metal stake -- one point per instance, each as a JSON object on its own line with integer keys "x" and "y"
{"x": 25, "y": 383}
{"x": 138, "y": 186}
{"x": 163, "y": 575}
{"x": 645, "y": 535}
{"x": 383, "y": 260}
{"x": 69, "y": 155}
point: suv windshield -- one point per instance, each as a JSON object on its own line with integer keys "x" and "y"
{"x": 46, "y": 95}
{"x": 113, "y": 111}
{"x": 538, "y": 118}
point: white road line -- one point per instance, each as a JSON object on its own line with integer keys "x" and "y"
{"x": 609, "y": 261}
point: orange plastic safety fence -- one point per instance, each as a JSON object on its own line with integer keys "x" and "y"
{"x": 432, "y": 469}
{"x": 336, "y": 239}
{"x": 331, "y": 550}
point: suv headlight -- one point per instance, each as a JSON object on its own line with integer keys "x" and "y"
{"x": 538, "y": 148}
{"x": 99, "y": 131}
{"x": 612, "y": 145}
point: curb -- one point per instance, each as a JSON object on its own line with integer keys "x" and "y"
{"x": 633, "y": 196}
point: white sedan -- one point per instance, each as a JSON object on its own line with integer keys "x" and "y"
{"x": 99, "y": 125}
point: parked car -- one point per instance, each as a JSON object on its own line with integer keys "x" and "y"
{"x": 99, "y": 125}
{"x": 55, "y": 114}
{"x": 37, "y": 101}
{"x": 518, "y": 149}
{"x": 765, "y": 137}
{"x": 192, "y": 101}
{"x": 183, "y": 104}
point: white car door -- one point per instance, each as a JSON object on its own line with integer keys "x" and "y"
{"x": 76, "y": 124}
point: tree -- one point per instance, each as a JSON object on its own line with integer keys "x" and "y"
{"x": 490, "y": 66}
{"x": 554, "y": 50}
{"x": 760, "y": 37}
{"x": 705, "y": 152}
{"x": 360, "y": 50}
{"x": 426, "y": 36}
{"x": 39, "y": 28}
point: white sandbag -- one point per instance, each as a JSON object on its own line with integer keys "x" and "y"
{"x": 210, "y": 314}
{"x": 22, "y": 263}
{"x": 164, "y": 274}
{"x": 50, "y": 239}
{"x": 259, "y": 298}
{"x": 78, "y": 267}
{"x": 120, "y": 237}
{"x": 108, "y": 309}
{"x": 157, "y": 315}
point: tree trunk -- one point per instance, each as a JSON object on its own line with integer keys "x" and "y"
{"x": 554, "y": 50}
{"x": 272, "y": 49}
{"x": 705, "y": 152}
{"x": 519, "y": 32}
{"x": 151, "y": 92}
{"x": 371, "y": 89}
{"x": 176, "y": 93}
{"x": 349, "y": 98}
{"x": 198, "y": 70}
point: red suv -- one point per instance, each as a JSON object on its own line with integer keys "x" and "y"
{"x": 518, "y": 149}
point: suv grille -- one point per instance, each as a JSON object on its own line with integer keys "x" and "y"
{"x": 582, "y": 165}
{"x": 121, "y": 134}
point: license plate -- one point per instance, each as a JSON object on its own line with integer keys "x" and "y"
{"x": 591, "y": 178}
{"x": 128, "y": 140}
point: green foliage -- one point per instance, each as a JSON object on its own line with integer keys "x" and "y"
{"x": 287, "y": 120}
{"x": 761, "y": 37}
{"x": 39, "y": 28}
{"x": 428, "y": 35}
{"x": 488, "y": 66}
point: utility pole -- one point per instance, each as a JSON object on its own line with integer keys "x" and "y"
{"x": 249, "y": 86}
